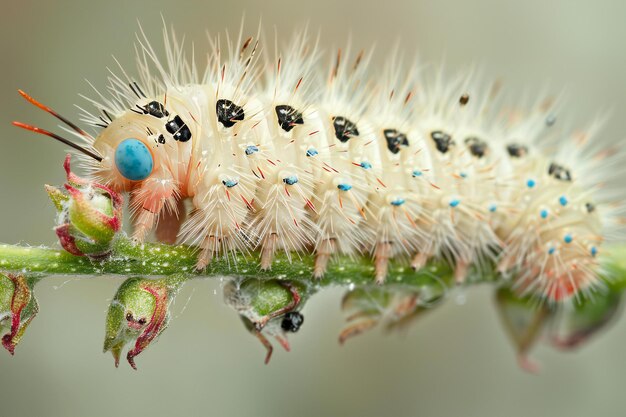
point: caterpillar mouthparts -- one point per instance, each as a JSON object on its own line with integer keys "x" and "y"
{"x": 278, "y": 153}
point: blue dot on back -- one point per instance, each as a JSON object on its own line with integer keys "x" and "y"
{"x": 230, "y": 183}
{"x": 133, "y": 160}
{"x": 251, "y": 149}
{"x": 290, "y": 180}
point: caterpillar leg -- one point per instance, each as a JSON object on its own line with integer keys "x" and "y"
{"x": 504, "y": 265}
{"x": 419, "y": 260}
{"x": 381, "y": 261}
{"x": 208, "y": 249}
{"x": 460, "y": 271}
{"x": 143, "y": 224}
{"x": 267, "y": 251}
{"x": 322, "y": 256}
{"x": 148, "y": 203}
{"x": 169, "y": 224}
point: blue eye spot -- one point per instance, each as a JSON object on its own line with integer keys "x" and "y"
{"x": 563, "y": 200}
{"x": 594, "y": 251}
{"x": 551, "y": 250}
{"x": 344, "y": 187}
{"x": 311, "y": 152}
{"x": 366, "y": 165}
{"x": 530, "y": 183}
{"x": 568, "y": 238}
{"x": 133, "y": 160}
{"x": 543, "y": 213}
{"x": 493, "y": 208}
{"x": 417, "y": 173}
{"x": 454, "y": 202}
{"x": 397, "y": 202}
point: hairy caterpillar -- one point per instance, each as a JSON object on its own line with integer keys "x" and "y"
{"x": 278, "y": 153}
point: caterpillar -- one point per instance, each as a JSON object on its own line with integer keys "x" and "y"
{"x": 301, "y": 151}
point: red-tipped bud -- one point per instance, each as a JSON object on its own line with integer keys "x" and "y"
{"x": 18, "y": 308}
{"x": 139, "y": 313}
{"x": 90, "y": 215}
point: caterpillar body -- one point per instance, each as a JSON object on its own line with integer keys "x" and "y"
{"x": 276, "y": 153}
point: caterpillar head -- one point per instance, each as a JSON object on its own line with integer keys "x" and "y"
{"x": 138, "y": 144}
{"x": 151, "y": 140}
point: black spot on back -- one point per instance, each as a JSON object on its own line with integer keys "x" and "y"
{"x": 477, "y": 147}
{"x": 559, "y": 172}
{"x": 395, "y": 140}
{"x": 288, "y": 117}
{"x": 590, "y": 207}
{"x": 344, "y": 129}
{"x": 178, "y": 129}
{"x": 228, "y": 113}
{"x": 516, "y": 151}
{"x": 156, "y": 109}
{"x": 161, "y": 139}
{"x": 443, "y": 141}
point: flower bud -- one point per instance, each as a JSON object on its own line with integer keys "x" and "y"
{"x": 139, "y": 312}
{"x": 18, "y": 308}
{"x": 90, "y": 215}
{"x": 585, "y": 319}
{"x": 524, "y": 321}
{"x": 268, "y": 307}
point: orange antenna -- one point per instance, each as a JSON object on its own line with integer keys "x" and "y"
{"x": 54, "y": 135}
{"x": 59, "y": 138}
{"x": 55, "y": 114}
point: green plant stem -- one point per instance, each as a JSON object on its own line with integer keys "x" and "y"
{"x": 154, "y": 259}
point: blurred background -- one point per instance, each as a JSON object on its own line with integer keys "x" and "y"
{"x": 455, "y": 361}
